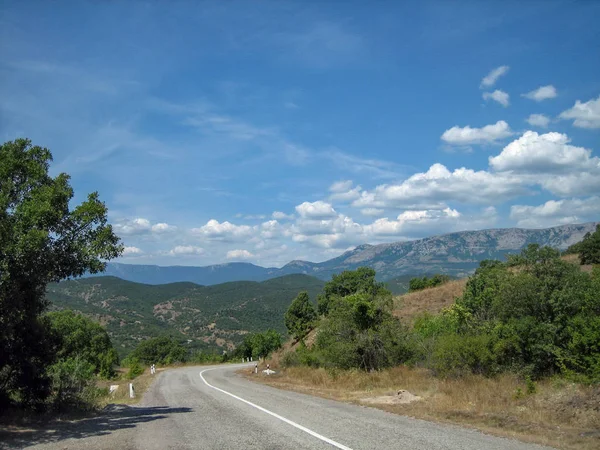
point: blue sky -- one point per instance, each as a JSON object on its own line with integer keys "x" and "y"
{"x": 272, "y": 131}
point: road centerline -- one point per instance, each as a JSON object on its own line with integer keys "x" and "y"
{"x": 277, "y": 416}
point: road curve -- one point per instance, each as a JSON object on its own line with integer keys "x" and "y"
{"x": 213, "y": 408}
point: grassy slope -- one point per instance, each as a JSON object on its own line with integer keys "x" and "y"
{"x": 209, "y": 316}
{"x": 560, "y": 414}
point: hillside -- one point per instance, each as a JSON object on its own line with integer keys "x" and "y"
{"x": 215, "y": 316}
{"x": 455, "y": 254}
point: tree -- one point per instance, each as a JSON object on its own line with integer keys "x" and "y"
{"x": 42, "y": 240}
{"x": 81, "y": 337}
{"x": 159, "y": 350}
{"x": 361, "y": 280}
{"x": 590, "y": 248}
{"x": 300, "y": 316}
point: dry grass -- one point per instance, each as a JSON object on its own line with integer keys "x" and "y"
{"x": 121, "y": 395}
{"x": 574, "y": 259}
{"x": 560, "y": 414}
{"x": 431, "y": 300}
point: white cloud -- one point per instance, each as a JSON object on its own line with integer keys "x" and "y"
{"x": 163, "y": 228}
{"x": 486, "y": 135}
{"x": 341, "y": 186}
{"x": 431, "y": 189}
{"x": 498, "y": 96}
{"x": 344, "y": 192}
{"x": 411, "y": 221}
{"x": 132, "y": 251}
{"x": 239, "y": 254}
{"x": 140, "y": 226}
{"x": 538, "y": 120}
{"x": 225, "y": 231}
{"x": 372, "y": 212}
{"x": 584, "y": 115}
{"x": 491, "y": 78}
{"x": 548, "y": 152}
{"x": 186, "y": 250}
{"x": 555, "y": 212}
{"x": 541, "y": 93}
{"x": 278, "y": 215}
{"x": 316, "y": 210}
{"x": 270, "y": 229}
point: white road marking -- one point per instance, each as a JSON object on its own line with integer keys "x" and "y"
{"x": 288, "y": 421}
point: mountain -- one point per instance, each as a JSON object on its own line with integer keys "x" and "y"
{"x": 215, "y": 316}
{"x": 455, "y": 254}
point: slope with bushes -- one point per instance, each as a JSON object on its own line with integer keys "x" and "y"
{"x": 210, "y": 317}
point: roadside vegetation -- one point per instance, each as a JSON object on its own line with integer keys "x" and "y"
{"x": 515, "y": 349}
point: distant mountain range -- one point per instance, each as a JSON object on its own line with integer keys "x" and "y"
{"x": 455, "y": 254}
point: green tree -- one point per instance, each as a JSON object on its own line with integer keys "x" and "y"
{"x": 300, "y": 316}
{"x": 42, "y": 240}
{"x": 361, "y": 280}
{"x": 590, "y": 248}
{"x": 159, "y": 350}
{"x": 81, "y": 337}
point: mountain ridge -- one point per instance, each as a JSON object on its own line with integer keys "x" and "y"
{"x": 457, "y": 254}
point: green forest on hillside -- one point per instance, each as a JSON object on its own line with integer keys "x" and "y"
{"x": 213, "y": 317}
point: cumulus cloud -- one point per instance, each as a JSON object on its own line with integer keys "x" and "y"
{"x": 491, "y": 78}
{"x": 430, "y": 190}
{"x": 239, "y": 254}
{"x": 548, "y": 152}
{"x": 163, "y": 228}
{"x": 225, "y": 231}
{"x": 541, "y": 93}
{"x": 410, "y": 221}
{"x": 341, "y": 186}
{"x": 132, "y": 251}
{"x": 316, "y": 210}
{"x": 584, "y": 115}
{"x": 139, "y": 226}
{"x": 555, "y": 212}
{"x": 498, "y": 96}
{"x": 343, "y": 191}
{"x": 278, "y": 215}
{"x": 485, "y": 135}
{"x": 538, "y": 120}
{"x": 186, "y": 250}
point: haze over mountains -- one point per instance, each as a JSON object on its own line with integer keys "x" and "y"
{"x": 455, "y": 254}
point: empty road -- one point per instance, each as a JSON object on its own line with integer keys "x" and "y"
{"x": 213, "y": 408}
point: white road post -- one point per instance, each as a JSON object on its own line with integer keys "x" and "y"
{"x": 131, "y": 391}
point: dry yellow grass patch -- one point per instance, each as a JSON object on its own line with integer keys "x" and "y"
{"x": 431, "y": 300}
{"x": 560, "y": 414}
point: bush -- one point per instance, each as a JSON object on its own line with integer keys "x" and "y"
{"x": 300, "y": 316}
{"x": 72, "y": 383}
{"x": 162, "y": 350}
{"x": 135, "y": 369}
{"x": 417, "y": 284}
{"x": 455, "y": 355}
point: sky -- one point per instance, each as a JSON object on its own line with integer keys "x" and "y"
{"x": 272, "y": 131}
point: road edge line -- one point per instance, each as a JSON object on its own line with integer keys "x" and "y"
{"x": 277, "y": 416}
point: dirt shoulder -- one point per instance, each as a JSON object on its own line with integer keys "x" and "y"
{"x": 559, "y": 414}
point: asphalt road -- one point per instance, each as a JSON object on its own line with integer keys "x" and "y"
{"x": 213, "y": 408}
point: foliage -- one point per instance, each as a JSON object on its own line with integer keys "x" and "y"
{"x": 135, "y": 368}
{"x": 230, "y": 309}
{"x": 417, "y": 284}
{"x": 71, "y": 382}
{"x": 83, "y": 338}
{"x": 162, "y": 350}
{"x": 259, "y": 345}
{"x": 42, "y": 240}
{"x": 588, "y": 249}
{"x": 361, "y": 280}
{"x": 300, "y": 316}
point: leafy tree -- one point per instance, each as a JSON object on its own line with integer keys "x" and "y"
{"x": 81, "y": 337}
{"x": 42, "y": 240}
{"x": 300, "y": 316}
{"x": 159, "y": 350}
{"x": 417, "y": 284}
{"x": 590, "y": 248}
{"x": 361, "y": 280}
